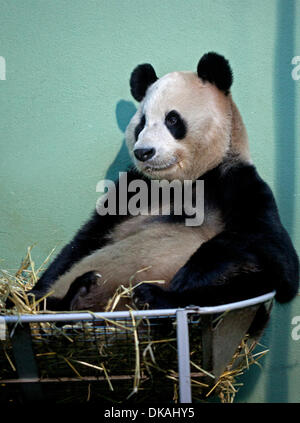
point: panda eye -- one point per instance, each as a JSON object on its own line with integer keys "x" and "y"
{"x": 176, "y": 125}
{"x": 171, "y": 119}
{"x": 140, "y": 127}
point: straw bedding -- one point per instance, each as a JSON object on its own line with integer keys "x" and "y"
{"x": 134, "y": 359}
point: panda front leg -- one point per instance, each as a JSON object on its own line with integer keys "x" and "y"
{"x": 234, "y": 288}
{"x": 219, "y": 271}
{"x": 253, "y": 255}
{"x": 232, "y": 267}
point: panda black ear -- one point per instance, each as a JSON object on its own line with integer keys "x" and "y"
{"x": 141, "y": 78}
{"x": 214, "y": 68}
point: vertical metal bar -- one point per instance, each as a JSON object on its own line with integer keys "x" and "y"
{"x": 207, "y": 336}
{"x": 183, "y": 350}
{"x": 25, "y": 362}
{"x": 2, "y": 329}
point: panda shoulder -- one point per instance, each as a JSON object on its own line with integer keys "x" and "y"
{"x": 243, "y": 186}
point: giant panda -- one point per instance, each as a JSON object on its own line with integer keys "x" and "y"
{"x": 187, "y": 127}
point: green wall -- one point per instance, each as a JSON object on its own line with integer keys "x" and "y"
{"x": 65, "y": 103}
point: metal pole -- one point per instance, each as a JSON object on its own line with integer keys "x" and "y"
{"x": 25, "y": 362}
{"x": 54, "y": 317}
{"x": 183, "y": 351}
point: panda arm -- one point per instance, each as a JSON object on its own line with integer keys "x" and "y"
{"x": 92, "y": 236}
{"x": 253, "y": 236}
{"x": 252, "y": 256}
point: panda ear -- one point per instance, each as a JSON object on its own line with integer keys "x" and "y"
{"x": 214, "y": 68}
{"x": 141, "y": 78}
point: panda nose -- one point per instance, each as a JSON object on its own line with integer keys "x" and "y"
{"x": 144, "y": 154}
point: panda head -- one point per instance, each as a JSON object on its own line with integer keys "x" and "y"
{"x": 187, "y": 122}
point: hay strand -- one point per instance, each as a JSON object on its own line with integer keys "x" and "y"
{"x": 149, "y": 352}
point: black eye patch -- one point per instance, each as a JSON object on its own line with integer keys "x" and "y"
{"x": 139, "y": 127}
{"x": 176, "y": 125}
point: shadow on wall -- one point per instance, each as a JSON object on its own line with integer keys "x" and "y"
{"x": 124, "y": 112}
{"x": 277, "y": 389}
{"x": 277, "y": 336}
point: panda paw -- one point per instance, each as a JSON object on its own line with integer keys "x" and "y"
{"x": 80, "y": 288}
{"x": 153, "y": 296}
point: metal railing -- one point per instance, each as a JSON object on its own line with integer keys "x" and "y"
{"x": 182, "y": 332}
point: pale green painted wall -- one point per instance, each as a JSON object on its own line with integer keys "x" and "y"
{"x": 66, "y": 101}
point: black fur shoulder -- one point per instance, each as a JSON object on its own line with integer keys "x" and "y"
{"x": 253, "y": 255}
{"x": 252, "y": 223}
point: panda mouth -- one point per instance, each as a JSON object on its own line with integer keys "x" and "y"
{"x": 157, "y": 167}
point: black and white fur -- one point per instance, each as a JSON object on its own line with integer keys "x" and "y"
{"x": 187, "y": 127}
